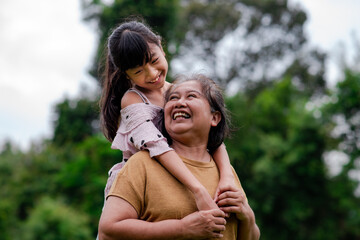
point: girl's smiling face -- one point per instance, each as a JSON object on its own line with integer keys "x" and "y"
{"x": 150, "y": 75}
{"x": 187, "y": 112}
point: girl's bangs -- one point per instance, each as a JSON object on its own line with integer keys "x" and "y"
{"x": 134, "y": 51}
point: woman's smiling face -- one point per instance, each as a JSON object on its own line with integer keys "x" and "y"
{"x": 188, "y": 112}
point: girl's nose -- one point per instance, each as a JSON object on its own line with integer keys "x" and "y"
{"x": 151, "y": 71}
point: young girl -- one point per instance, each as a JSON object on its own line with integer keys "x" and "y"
{"x": 132, "y": 108}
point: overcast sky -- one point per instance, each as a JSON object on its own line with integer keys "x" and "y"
{"x": 45, "y": 51}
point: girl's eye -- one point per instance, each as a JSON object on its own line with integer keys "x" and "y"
{"x": 191, "y": 95}
{"x": 154, "y": 61}
{"x": 137, "y": 72}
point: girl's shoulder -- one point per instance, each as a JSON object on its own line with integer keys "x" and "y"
{"x": 132, "y": 96}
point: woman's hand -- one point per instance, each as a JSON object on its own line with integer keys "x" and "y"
{"x": 204, "y": 200}
{"x": 233, "y": 200}
{"x": 204, "y": 224}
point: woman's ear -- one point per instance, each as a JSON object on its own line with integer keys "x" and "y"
{"x": 215, "y": 119}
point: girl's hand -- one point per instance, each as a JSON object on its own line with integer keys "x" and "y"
{"x": 233, "y": 200}
{"x": 203, "y": 224}
{"x": 204, "y": 200}
{"x": 224, "y": 183}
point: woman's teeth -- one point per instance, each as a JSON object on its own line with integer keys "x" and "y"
{"x": 181, "y": 114}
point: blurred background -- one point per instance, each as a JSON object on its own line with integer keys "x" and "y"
{"x": 291, "y": 74}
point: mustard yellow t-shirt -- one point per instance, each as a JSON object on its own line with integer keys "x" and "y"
{"x": 157, "y": 195}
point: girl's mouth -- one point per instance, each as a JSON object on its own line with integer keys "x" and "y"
{"x": 156, "y": 79}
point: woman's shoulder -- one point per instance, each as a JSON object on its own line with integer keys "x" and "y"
{"x": 139, "y": 160}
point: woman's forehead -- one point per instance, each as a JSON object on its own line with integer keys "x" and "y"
{"x": 187, "y": 86}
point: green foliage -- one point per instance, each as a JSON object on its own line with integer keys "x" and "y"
{"x": 161, "y": 15}
{"x": 55, "y": 190}
{"x": 75, "y": 173}
{"x": 53, "y": 220}
{"x": 343, "y": 109}
{"x": 75, "y": 120}
{"x": 9, "y": 162}
{"x": 82, "y": 178}
{"x": 347, "y": 96}
{"x": 267, "y": 38}
{"x": 277, "y": 153}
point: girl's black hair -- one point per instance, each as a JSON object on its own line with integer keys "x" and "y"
{"x": 127, "y": 47}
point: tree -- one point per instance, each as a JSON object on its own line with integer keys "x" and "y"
{"x": 53, "y": 220}
{"x": 278, "y": 154}
{"x": 82, "y": 178}
{"x": 75, "y": 120}
{"x": 161, "y": 15}
{"x": 341, "y": 118}
{"x": 253, "y": 45}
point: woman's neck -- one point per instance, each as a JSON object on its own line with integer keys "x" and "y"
{"x": 196, "y": 152}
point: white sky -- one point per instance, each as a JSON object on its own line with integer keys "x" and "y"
{"x": 45, "y": 51}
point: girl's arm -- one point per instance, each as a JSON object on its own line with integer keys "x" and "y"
{"x": 169, "y": 159}
{"x": 233, "y": 200}
{"x": 174, "y": 164}
{"x": 119, "y": 220}
{"x": 222, "y": 161}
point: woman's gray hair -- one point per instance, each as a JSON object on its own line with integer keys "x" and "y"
{"x": 214, "y": 96}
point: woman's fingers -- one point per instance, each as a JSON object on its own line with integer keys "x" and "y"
{"x": 204, "y": 224}
{"x": 216, "y": 213}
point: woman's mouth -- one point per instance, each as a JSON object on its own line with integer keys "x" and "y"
{"x": 181, "y": 115}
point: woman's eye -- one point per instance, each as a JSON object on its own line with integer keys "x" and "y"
{"x": 154, "y": 61}
{"x": 173, "y": 97}
{"x": 192, "y": 95}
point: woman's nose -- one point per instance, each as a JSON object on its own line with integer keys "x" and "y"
{"x": 180, "y": 102}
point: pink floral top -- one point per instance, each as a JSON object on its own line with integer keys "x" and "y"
{"x": 140, "y": 129}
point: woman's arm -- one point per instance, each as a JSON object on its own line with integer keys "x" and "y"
{"x": 248, "y": 230}
{"x": 233, "y": 200}
{"x": 119, "y": 220}
{"x": 174, "y": 164}
{"x": 222, "y": 161}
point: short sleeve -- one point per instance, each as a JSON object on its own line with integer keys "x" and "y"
{"x": 147, "y": 137}
{"x": 137, "y": 131}
{"x": 130, "y": 182}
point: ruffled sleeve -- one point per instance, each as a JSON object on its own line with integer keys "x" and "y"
{"x": 137, "y": 131}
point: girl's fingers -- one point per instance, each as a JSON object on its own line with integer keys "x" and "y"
{"x": 225, "y": 204}
{"x": 232, "y": 209}
{"x": 227, "y": 187}
{"x": 230, "y": 196}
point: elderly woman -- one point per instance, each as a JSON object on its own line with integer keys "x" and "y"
{"x": 147, "y": 202}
